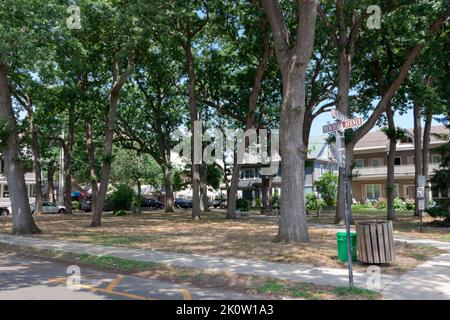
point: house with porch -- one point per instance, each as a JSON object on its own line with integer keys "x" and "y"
{"x": 370, "y": 165}
{"x": 320, "y": 160}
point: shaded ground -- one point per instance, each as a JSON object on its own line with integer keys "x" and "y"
{"x": 31, "y": 273}
{"x": 213, "y": 235}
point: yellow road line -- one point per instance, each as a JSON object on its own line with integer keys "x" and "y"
{"x": 92, "y": 288}
{"x": 186, "y": 294}
{"x": 114, "y": 283}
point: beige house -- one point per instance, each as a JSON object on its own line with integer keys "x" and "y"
{"x": 370, "y": 172}
{"x": 30, "y": 181}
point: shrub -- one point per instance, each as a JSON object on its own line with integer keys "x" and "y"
{"x": 122, "y": 198}
{"x": 380, "y": 204}
{"x": 399, "y": 204}
{"x": 439, "y": 212}
{"x": 242, "y": 204}
{"x": 276, "y": 202}
{"x": 410, "y": 205}
{"x": 313, "y": 203}
{"x": 75, "y": 204}
{"x": 327, "y": 186}
{"x": 258, "y": 203}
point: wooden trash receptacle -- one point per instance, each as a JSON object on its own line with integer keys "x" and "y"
{"x": 375, "y": 242}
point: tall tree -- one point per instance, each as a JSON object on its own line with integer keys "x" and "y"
{"x": 293, "y": 59}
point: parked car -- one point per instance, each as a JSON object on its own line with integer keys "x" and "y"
{"x": 152, "y": 203}
{"x": 86, "y": 206}
{"x": 48, "y": 207}
{"x": 4, "y": 211}
{"x": 183, "y": 203}
{"x": 217, "y": 203}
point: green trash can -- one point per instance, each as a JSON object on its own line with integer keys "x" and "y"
{"x": 341, "y": 238}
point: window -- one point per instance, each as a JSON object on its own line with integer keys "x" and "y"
{"x": 398, "y": 161}
{"x": 396, "y": 190}
{"x": 359, "y": 163}
{"x": 32, "y": 193}
{"x": 248, "y": 173}
{"x": 435, "y": 158}
{"x": 373, "y": 191}
{"x": 375, "y": 162}
{"x": 5, "y": 191}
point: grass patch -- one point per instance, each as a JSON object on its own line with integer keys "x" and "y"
{"x": 115, "y": 263}
{"x": 354, "y": 292}
{"x": 281, "y": 289}
{"x": 304, "y": 291}
{"x": 119, "y": 240}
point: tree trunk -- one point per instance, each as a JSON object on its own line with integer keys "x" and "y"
{"x": 270, "y": 197}
{"x": 118, "y": 82}
{"x": 390, "y": 183}
{"x": 204, "y": 203}
{"x": 68, "y": 162}
{"x": 264, "y": 194}
{"x": 168, "y": 188}
{"x": 92, "y": 173}
{"x": 417, "y": 150}
{"x": 37, "y": 160}
{"x": 139, "y": 194}
{"x": 340, "y": 204}
{"x": 426, "y": 155}
{"x": 344, "y": 75}
{"x": 250, "y": 119}
{"x": 232, "y": 193}
{"x": 50, "y": 180}
{"x": 293, "y": 62}
{"x": 22, "y": 220}
{"x": 193, "y": 118}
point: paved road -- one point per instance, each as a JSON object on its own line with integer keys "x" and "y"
{"x": 35, "y": 278}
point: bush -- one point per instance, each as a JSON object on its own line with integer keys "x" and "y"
{"x": 276, "y": 202}
{"x": 327, "y": 186}
{"x": 399, "y": 204}
{"x": 258, "y": 203}
{"x": 242, "y": 204}
{"x": 410, "y": 205}
{"x": 75, "y": 205}
{"x": 380, "y": 204}
{"x": 313, "y": 203}
{"x": 122, "y": 198}
{"x": 439, "y": 212}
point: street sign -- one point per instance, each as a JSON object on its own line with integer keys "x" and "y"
{"x": 421, "y": 192}
{"x": 421, "y": 181}
{"x": 338, "y": 115}
{"x": 421, "y": 204}
{"x": 343, "y": 122}
{"x": 346, "y": 124}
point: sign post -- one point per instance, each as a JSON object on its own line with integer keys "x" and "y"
{"x": 339, "y": 128}
{"x": 421, "y": 197}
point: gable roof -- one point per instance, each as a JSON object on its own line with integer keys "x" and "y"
{"x": 378, "y": 139}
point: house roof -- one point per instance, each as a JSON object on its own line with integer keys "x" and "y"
{"x": 378, "y": 139}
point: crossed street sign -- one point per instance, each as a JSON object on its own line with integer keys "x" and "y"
{"x": 343, "y": 122}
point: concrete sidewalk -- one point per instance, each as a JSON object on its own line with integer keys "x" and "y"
{"x": 284, "y": 271}
{"x": 429, "y": 281}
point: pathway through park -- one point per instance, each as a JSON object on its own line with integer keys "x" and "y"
{"x": 430, "y": 280}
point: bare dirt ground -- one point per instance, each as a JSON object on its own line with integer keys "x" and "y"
{"x": 213, "y": 235}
